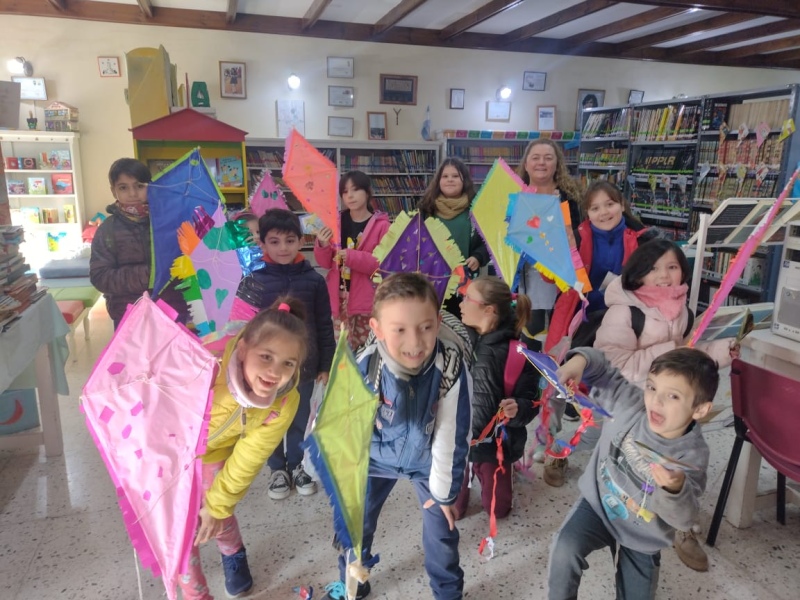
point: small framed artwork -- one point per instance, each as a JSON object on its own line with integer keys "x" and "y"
{"x": 376, "y": 125}
{"x": 232, "y": 80}
{"x": 340, "y": 126}
{"x": 398, "y": 89}
{"x": 341, "y": 95}
{"x": 635, "y": 97}
{"x": 498, "y": 111}
{"x": 588, "y": 99}
{"x": 546, "y": 117}
{"x": 109, "y": 66}
{"x": 456, "y": 98}
{"x": 534, "y": 81}
{"x": 340, "y": 67}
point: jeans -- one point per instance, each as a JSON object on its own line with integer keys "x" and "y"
{"x": 582, "y": 533}
{"x": 292, "y": 456}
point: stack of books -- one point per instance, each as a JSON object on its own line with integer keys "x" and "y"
{"x": 17, "y": 286}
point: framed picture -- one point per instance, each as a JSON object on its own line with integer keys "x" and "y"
{"x": 108, "y": 66}
{"x": 546, "y": 117}
{"x": 31, "y": 88}
{"x": 376, "y": 125}
{"x": 588, "y": 99}
{"x": 340, "y": 126}
{"x": 534, "y": 81}
{"x": 635, "y": 96}
{"x": 341, "y": 95}
{"x": 398, "y": 89}
{"x": 340, "y": 67}
{"x": 232, "y": 80}
{"x": 457, "y": 98}
{"x": 498, "y": 111}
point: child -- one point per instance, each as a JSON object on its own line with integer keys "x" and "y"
{"x": 422, "y": 427}
{"x": 287, "y": 272}
{"x": 493, "y": 321}
{"x": 120, "y": 262}
{"x": 448, "y": 198}
{"x": 251, "y": 220}
{"x": 629, "y": 503}
{"x": 255, "y": 400}
{"x": 352, "y": 266}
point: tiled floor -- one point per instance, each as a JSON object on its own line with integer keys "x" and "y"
{"x": 61, "y": 534}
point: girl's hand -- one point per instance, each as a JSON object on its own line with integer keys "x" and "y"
{"x": 472, "y": 264}
{"x": 509, "y": 407}
{"x": 672, "y": 481}
{"x": 209, "y": 527}
{"x": 572, "y": 370}
{"x": 341, "y": 256}
{"x": 735, "y": 350}
{"x": 324, "y": 236}
{"x": 322, "y": 378}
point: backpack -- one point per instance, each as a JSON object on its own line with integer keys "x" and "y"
{"x": 515, "y": 362}
{"x": 587, "y": 330}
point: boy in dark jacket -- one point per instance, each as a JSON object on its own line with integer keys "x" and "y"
{"x": 287, "y": 273}
{"x": 120, "y": 262}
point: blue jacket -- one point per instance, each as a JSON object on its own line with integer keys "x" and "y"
{"x": 420, "y": 433}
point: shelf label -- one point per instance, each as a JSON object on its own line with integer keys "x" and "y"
{"x": 762, "y": 131}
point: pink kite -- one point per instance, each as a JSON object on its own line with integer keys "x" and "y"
{"x": 267, "y": 195}
{"x": 147, "y": 404}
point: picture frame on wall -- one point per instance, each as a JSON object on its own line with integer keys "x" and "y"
{"x": 534, "y": 81}
{"x": 341, "y": 95}
{"x": 109, "y": 66}
{"x": 232, "y": 80}
{"x": 457, "y": 98}
{"x": 398, "y": 89}
{"x": 340, "y": 126}
{"x": 498, "y": 111}
{"x": 546, "y": 117}
{"x": 588, "y": 99}
{"x": 376, "y": 125}
{"x": 341, "y": 67}
{"x": 635, "y": 96}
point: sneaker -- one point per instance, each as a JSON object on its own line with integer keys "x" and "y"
{"x": 538, "y": 454}
{"x": 690, "y": 551}
{"x": 280, "y": 486}
{"x": 571, "y": 414}
{"x": 238, "y": 580}
{"x": 303, "y": 482}
{"x": 555, "y": 472}
{"x": 337, "y": 591}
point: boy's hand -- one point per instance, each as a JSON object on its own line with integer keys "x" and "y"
{"x": 449, "y": 512}
{"x": 672, "y": 481}
{"x": 322, "y": 378}
{"x": 735, "y": 350}
{"x": 510, "y": 407}
{"x": 209, "y": 527}
{"x": 472, "y": 263}
{"x": 572, "y": 370}
{"x": 324, "y": 236}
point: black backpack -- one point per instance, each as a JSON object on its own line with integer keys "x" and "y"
{"x": 587, "y": 330}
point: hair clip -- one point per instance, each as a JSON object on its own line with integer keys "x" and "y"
{"x": 284, "y": 306}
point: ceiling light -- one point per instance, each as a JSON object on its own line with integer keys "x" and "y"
{"x": 503, "y": 93}
{"x": 19, "y": 66}
{"x": 293, "y": 81}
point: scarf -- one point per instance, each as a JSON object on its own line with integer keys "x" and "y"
{"x": 135, "y": 212}
{"x": 395, "y": 367}
{"x": 450, "y": 208}
{"x": 669, "y": 300}
{"x": 239, "y": 389}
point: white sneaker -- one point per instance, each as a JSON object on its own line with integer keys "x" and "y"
{"x": 303, "y": 482}
{"x": 280, "y": 486}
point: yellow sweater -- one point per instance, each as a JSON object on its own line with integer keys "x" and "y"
{"x": 242, "y": 437}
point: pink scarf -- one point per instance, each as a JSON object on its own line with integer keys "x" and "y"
{"x": 669, "y": 300}
{"x": 135, "y": 212}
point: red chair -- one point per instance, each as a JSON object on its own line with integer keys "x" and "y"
{"x": 766, "y": 412}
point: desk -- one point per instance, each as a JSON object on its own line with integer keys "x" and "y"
{"x": 38, "y": 337}
{"x": 782, "y": 355}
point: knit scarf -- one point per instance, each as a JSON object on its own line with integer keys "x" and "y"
{"x": 135, "y": 212}
{"x": 669, "y": 300}
{"x": 450, "y": 208}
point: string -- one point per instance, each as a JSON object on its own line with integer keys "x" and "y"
{"x": 138, "y": 574}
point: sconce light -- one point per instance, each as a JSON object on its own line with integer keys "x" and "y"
{"x": 503, "y": 93}
{"x": 19, "y": 66}
{"x": 293, "y": 81}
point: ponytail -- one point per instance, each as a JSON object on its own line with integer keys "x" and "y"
{"x": 513, "y": 311}
{"x": 522, "y": 311}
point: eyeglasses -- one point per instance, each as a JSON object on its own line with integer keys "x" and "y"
{"x": 478, "y": 302}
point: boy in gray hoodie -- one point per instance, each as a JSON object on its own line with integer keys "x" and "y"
{"x": 629, "y": 502}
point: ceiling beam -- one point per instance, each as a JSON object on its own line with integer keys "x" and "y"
{"x": 557, "y": 18}
{"x": 646, "y": 18}
{"x": 58, "y": 4}
{"x": 675, "y": 33}
{"x": 785, "y": 56}
{"x": 485, "y": 12}
{"x": 774, "y": 8}
{"x": 233, "y": 8}
{"x": 314, "y": 12}
{"x": 739, "y": 36}
{"x": 397, "y": 14}
{"x": 146, "y": 7}
{"x": 786, "y": 43}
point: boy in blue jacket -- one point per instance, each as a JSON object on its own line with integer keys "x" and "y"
{"x": 422, "y": 427}
{"x": 287, "y": 273}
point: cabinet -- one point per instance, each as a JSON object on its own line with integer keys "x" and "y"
{"x": 45, "y": 191}
{"x": 604, "y": 145}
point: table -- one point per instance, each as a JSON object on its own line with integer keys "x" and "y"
{"x": 37, "y": 337}
{"x": 782, "y": 355}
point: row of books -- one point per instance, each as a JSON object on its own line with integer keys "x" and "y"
{"x": 604, "y": 157}
{"x": 54, "y": 159}
{"x": 400, "y": 161}
{"x": 730, "y": 299}
{"x": 396, "y": 204}
{"x": 399, "y": 185}
{"x": 511, "y": 154}
{"x": 771, "y": 112}
{"x": 587, "y": 178}
{"x": 36, "y": 215}
{"x": 752, "y": 275}
{"x": 607, "y": 124}
{"x": 17, "y": 290}
{"x": 668, "y": 123}
{"x": 59, "y": 183}
{"x": 477, "y": 134}
{"x": 669, "y": 202}
{"x": 746, "y": 152}
{"x": 665, "y": 159}
{"x": 713, "y": 187}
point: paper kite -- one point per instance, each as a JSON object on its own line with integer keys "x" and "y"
{"x": 339, "y": 449}
{"x": 313, "y": 179}
{"x": 173, "y": 196}
{"x": 414, "y": 246}
{"x": 267, "y": 195}
{"x": 147, "y": 404}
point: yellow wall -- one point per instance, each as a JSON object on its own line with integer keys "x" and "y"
{"x": 65, "y": 53}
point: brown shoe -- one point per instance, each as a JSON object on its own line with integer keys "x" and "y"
{"x": 555, "y": 472}
{"x": 690, "y": 551}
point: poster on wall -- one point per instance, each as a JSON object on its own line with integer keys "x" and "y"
{"x": 9, "y": 104}
{"x": 291, "y": 114}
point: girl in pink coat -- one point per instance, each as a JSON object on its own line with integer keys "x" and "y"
{"x": 351, "y": 264}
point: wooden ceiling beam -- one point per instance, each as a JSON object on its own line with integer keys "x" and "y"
{"x": 397, "y": 14}
{"x": 561, "y": 17}
{"x": 314, "y": 12}
{"x": 771, "y": 8}
{"x": 646, "y": 18}
{"x": 786, "y": 43}
{"x": 58, "y": 4}
{"x": 789, "y": 55}
{"x": 675, "y": 33}
{"x": 739, "y": 36}
{"x": 485, "y": 12}
{"x": 233, "y": 8}
{"x": 146, "y": 7}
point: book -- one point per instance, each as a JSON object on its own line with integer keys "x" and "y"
{"x": 30, "y": 214}
{"x": 230, "y": 171}
{"x": 15, "y": 187}
{"x": 49, "y": 215}
{"x": 57, "y": 159}
{"x": 37, "y": 186}
{"x": 719, "y": 115}
{"x": 28, "y": 163}
{"x": 62, "y": 183}
{"x": 69, "y": 213}
{"x": 12, "y": 162}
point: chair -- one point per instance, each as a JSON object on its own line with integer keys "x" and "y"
{"x": 766, "y": 412}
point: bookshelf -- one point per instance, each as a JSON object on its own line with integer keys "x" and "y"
{"x": 604, "y": 144}
{"x": 45, "y": 191}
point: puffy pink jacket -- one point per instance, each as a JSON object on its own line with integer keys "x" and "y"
{"x": 362, "y": 267}
{"x": 632, "y": 356}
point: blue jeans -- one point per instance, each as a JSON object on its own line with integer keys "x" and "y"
{"x": 293, "y": 455}
{"x": 440, "y": 545}
{"x": 582, "y": 533}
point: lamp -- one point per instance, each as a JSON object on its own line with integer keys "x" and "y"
{"x": 19, "y": 66}
{"x": 503, "y": 93}
{"x": 293, "y": 81}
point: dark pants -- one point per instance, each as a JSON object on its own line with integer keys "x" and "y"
{"x": 293, "y": 455}
{"x": 440, "y": 545}
{"x": 538, "y": 321}
{"x": 582, "y": 533}
{"x": 484, "y": 471}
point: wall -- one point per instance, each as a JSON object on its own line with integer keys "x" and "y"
{"x": 65, "y": 53}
